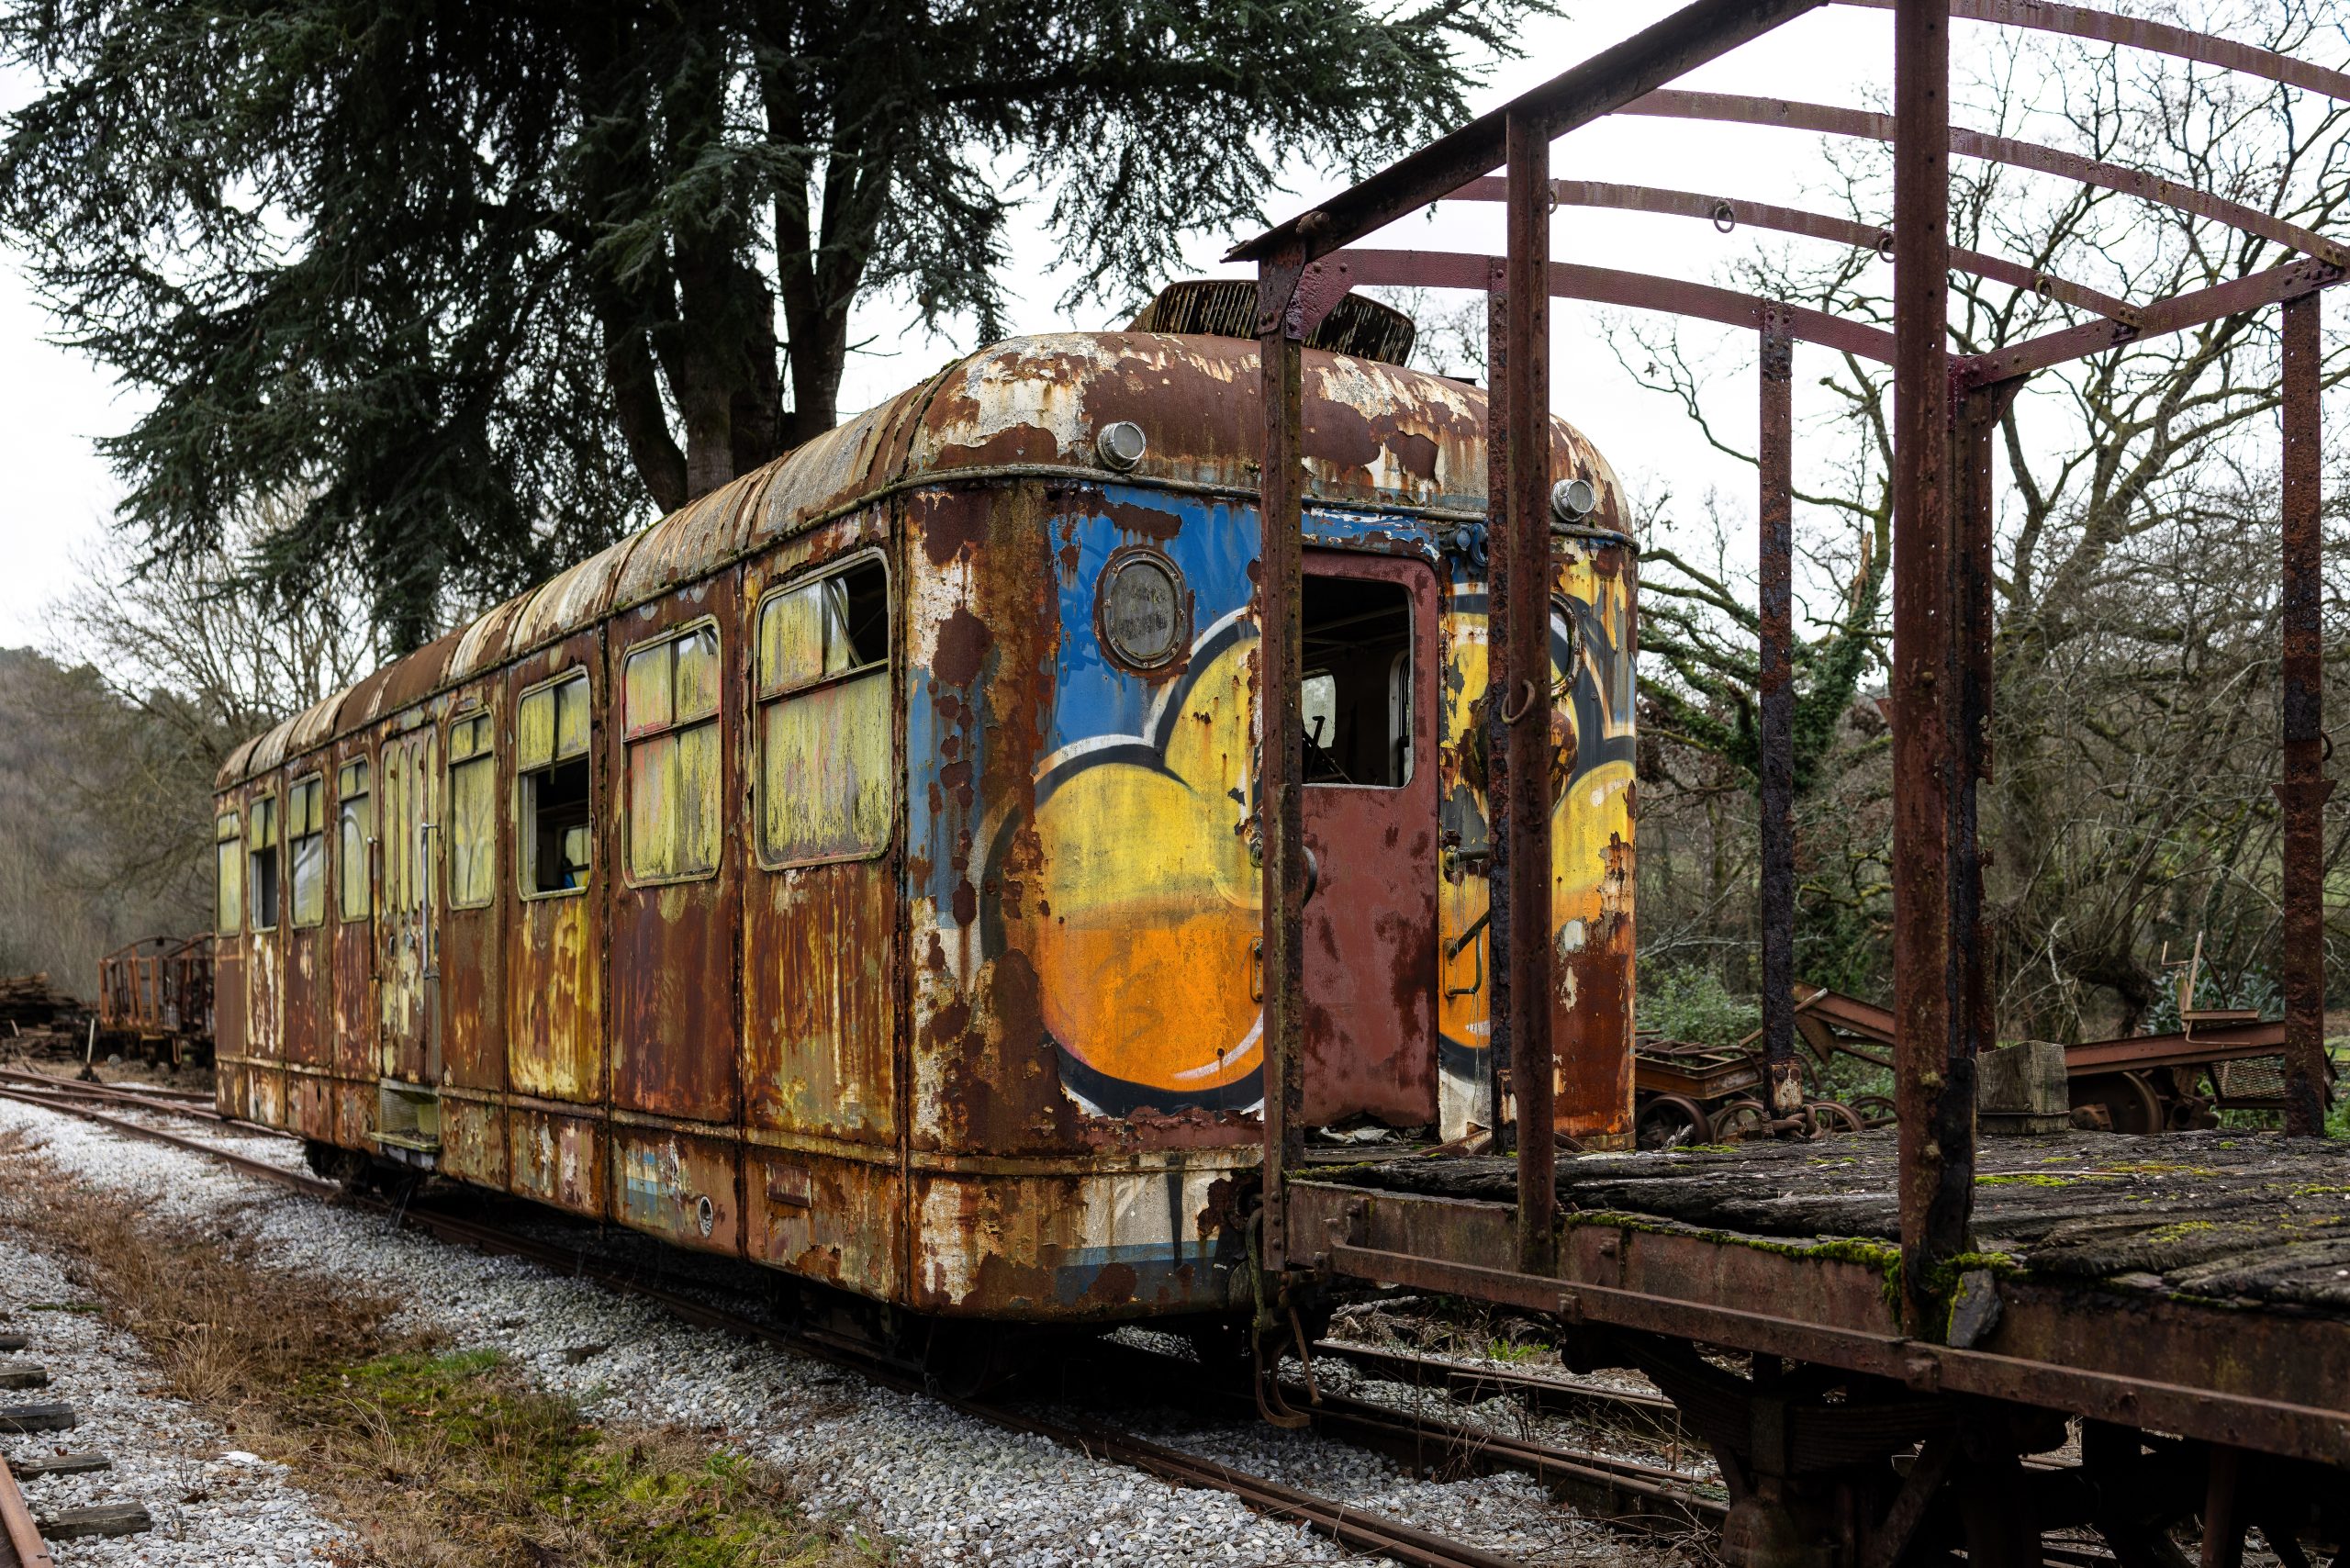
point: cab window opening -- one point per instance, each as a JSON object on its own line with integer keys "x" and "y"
{"x": 1355, "y": 696}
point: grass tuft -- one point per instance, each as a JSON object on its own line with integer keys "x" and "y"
{"x": 433, "y": 1457}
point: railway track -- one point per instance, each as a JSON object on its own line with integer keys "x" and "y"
{"x": 1656, "y": 1497}
{"x": 1622, "y": 1491}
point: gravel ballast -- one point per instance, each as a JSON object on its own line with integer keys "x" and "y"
{"x": 211, "y": 1503}
{"x": 944, "y": 1487}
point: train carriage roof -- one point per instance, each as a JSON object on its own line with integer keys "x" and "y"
{"x": 1376, "y": 435}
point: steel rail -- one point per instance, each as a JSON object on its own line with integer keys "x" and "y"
{"x": 119, "y": 1094}
{"x": 19, "y": 1535}
{"x": 2154, "y": 38}
{"x": 1726, "y": 213}
{"x": 1349, "y": 1526}
{"x": 1600, "y": 85}
{"x": 1828, "y": 119}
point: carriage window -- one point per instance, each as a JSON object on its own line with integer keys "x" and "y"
{"x": 826, "y": 769}
{"x": 554, "y": 834}
{"x": 353, "y": 820}
{"x": 669, "y": 714}
{"x": 260, "y": 850}
{"x": 1356, "y": 694}
{"x": 228, "y": 877}
{"x": 306, "y": 842}
{"x": 473, "y": 815}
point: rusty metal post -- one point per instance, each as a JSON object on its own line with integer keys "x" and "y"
{"x": 2301, "y": 793}
{"x": 1281, "y": 765}
{"x": 1935, "y": 1076}
{"x": 1497, "y": 562}
{"x": 1975, "y": 414}
{"x": 1520, "y": 610}
{"x": 1774, "y": 738}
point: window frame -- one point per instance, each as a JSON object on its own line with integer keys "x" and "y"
{"x": 887, "y": 663}
{"x": 486, "y": 755}
{"x": 233, "y": 822}
{"x": 628, "y": 740}
{"x": 523, "y": 853}
{"x": 259, "y": 798}
{"x": 1410, "y": 653}
{"x": 344, "y": 797}
{"x": 293, "y": 788}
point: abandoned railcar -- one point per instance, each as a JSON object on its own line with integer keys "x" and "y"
{"x": 854, "y": 871}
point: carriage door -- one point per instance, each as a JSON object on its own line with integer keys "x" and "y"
{"x": 406, "y": 901}
{"x": 1369, "y": 704}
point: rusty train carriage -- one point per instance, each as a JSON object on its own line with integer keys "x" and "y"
{"x": 856, "y": 870}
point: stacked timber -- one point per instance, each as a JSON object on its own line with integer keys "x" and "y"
{"x": 31, "y": 1002}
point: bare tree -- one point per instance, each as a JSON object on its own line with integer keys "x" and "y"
{"x": 149, "y": 681}
{"x": 2135, "y": 706}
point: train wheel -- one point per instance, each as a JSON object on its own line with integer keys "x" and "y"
{"x": 1830, "y": 1118}
{"x": 1874, "y": 1110}
{"x": 2130, "y": 1102}
{"x": 1739, "y": 1119}
{"x": 333, "y": 1163}
{"x": 1672, "y": 1121}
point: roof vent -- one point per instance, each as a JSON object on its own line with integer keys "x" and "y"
{"x": 1226, "y": 308}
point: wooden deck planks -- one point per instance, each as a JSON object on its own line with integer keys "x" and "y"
{"x": 2249, "y": 1219}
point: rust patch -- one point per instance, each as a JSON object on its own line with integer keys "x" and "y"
{"x": 962, "y": 648}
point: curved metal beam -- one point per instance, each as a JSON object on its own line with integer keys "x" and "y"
{"x": 1830, "y": 120}
{"x": 1661, "y": 53}
{"x": 2156, "y": 37}
{"x": 1719, "y": 211}
{"x": 1608, "y": 285}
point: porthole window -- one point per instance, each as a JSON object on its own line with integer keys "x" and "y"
{"x": 1142, "y": 611}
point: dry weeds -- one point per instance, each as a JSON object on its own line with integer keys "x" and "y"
{"x": 431, "y": 1456}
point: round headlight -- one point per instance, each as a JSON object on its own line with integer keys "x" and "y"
{"x": 1573, "y": 499}
{"x": 1120, "y": 445}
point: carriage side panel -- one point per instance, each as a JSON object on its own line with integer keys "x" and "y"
{"x": 554, "y": 960}
{"x": 675, "y": 670}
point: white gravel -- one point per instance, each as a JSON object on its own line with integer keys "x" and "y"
{"x": 211, "y": 1503}
{"x": 945, "y": 1487}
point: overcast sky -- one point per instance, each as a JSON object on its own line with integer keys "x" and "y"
{"x": 56, "y": 402}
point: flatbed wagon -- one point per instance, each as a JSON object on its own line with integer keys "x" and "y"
{"x": 2193, "y": 1286}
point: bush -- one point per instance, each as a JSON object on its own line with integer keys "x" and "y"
{"x": 1694, "y": 1004}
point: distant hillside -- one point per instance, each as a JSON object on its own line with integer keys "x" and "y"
{"x": 102, "y": 831}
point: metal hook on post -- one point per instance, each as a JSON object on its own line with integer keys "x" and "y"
{"x": 1524, "y": 707}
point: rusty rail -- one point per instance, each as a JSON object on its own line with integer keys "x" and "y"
{"x": 18, "y": 1534}
{"x": 1344, "y": 1523}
